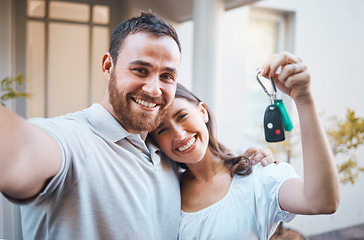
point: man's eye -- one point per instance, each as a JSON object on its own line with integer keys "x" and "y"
{"x": 167, "y": 77}
{"x": 140, "y": 71}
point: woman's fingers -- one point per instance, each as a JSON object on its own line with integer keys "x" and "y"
{"x": 271, "y": 66}
{"x": 264, "y": 156}
{"x": 250, "y": 153}
{"x": 289, "y": 74}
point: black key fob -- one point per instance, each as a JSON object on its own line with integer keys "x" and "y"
{"x": 273, "y": 124}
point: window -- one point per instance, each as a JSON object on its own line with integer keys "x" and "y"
{"x": 65, "y": 44}
{"x": 247, "y": 45}
{"x": 267, "y": 34}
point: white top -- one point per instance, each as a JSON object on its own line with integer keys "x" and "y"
{"x": 111, "y": 185}
{"x": 250, "y": 210}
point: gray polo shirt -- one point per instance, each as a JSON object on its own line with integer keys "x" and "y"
{"x": 111, "y": 184}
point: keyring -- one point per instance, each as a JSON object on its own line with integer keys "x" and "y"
{"x": 276, "y": 119}
{"x": 272, "y": 96}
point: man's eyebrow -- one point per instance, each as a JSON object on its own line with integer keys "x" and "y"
{"x": 170, "y": 69}
{"x": 140, "y": 62}
{"x": 147, "y": 64}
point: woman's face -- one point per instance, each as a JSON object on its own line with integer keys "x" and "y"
{"x": 183, "y": 134}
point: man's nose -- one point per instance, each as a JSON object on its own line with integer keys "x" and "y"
{"x": 152, "y": 87}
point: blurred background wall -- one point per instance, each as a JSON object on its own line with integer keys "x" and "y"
{"x": 223, "y": 44}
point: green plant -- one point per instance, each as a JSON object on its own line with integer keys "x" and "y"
{"x": 345, "y": 137}
{"x": 7, "y": 90}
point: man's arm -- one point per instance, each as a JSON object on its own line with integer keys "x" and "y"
{"x": 28, "y": 156}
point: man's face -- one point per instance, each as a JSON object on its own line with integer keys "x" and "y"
{"x": 143, "y": 81}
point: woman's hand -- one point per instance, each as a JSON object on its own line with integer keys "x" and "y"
{"x": 293, "y": 78}
{"x": 262, "y": 155}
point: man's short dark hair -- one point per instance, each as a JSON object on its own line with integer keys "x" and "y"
{"x": 146, "y": 22}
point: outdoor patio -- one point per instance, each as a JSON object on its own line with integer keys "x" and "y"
{"x": 351, "y": 233}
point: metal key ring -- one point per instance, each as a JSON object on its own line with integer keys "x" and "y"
{"x": 272, "y": 96}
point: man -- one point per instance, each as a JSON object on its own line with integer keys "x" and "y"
{"x": 92, "y": 174}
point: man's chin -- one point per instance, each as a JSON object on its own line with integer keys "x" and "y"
{"x": 151, "y": 122}
{"x": 137, "y": 119}
{"x": 143, "y": 122}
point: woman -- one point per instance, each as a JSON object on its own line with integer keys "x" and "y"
{"x": 223, "y": 196}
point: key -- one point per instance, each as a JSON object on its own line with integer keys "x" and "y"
{"x": 286, "y": 119}
{"x": 273, "y": 124}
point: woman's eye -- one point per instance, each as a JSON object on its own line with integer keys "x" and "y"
{"x": 161, "y": 131}
{"x": 182, "y": 116}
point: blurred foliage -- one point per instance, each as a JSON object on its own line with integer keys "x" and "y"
{"x": 345, "y": 137}
{"x": 7, "y": 88}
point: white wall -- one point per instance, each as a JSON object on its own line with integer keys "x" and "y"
{"x": 9, "y": 213}
{"x": 329, "y": 37}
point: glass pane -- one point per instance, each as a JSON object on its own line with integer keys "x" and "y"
{"x": 36, "y": 69}
{"x": 68, "y": 68}
{"x": 69, "y": 11}
{"x": 100, "y": 14}
{"x": 36, "y": 8}
{"x": 262, "y": 41}
{"x": 100, "y": 38}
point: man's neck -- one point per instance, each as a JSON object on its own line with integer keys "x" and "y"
{"x": 108, "y": 107}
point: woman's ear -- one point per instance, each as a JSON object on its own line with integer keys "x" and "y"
{"x": 204, "y": 112}
{"x": 107, "y": 65}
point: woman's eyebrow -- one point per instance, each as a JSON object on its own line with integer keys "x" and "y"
{"x": 177, "y": 113}
{"x": 160, "y": 125}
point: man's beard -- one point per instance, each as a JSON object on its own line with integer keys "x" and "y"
{"x": 129, "y": 119}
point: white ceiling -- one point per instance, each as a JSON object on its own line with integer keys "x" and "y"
{"x": 181, "y": 10}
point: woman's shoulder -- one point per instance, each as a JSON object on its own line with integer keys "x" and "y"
{"x": 268, "y": 175}
{"x": 273, "y": 168}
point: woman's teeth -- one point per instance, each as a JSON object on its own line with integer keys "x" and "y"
{"x": 145, "y": 104}
{"x": 187, "y": 145}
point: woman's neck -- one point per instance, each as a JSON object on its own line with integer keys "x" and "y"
{"x": 207, "y": 168}
{"x": 204, "y": 183}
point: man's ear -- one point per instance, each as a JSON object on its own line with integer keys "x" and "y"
{"x": 107, "y": 65}
{"x": 204, "y": 112}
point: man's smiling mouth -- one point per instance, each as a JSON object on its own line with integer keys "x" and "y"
{"x": 144, "y": 103}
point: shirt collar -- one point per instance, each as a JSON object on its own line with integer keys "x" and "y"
{"x": 104, "y": 123}
{"x": 107, "y": 127}
{"x": 152, "y": 146}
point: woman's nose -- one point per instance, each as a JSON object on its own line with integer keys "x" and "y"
{"x": 179, "y": 132}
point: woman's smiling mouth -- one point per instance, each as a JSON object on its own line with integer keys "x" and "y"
{"x": 188, "y": 144}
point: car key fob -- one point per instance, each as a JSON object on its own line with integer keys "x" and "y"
{"x": 273, "y": 124}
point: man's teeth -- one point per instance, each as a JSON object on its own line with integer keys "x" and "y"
{"x": 144, "y": 103}
{"x": 188, "y": 145}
